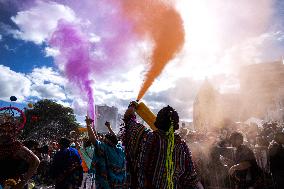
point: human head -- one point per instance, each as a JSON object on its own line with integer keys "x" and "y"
{"x": 53, "y": 145}
{"x": 166, "y": 116}
{"x": 73, "y": 135}
{"x": 31, "y": 144}
{"x": 236, "y": 139}
{"x": 224, "y": 143}
{"x": 64, "y": 143}
{"x": 44, "y": 149}
{"x": 8, "y": 132}
{"x": 86, "y": 142}
{"x": 111, "y": 139}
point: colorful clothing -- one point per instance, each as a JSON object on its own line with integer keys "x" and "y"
{"x": 67, "y": 169}
{"x": 87, "y": 155}
{"x": 146, "y": 158}
{"x": 109, "y": 166}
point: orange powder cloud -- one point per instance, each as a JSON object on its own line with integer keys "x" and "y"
{"x": 163, "y": 24}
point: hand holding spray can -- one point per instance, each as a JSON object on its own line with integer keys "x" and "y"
{"x": 146, "y": 114}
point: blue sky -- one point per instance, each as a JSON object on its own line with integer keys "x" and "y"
{"x": 19, "y": 55}
{"x": 220, "y": 38}
{"x": 23, "y": 56}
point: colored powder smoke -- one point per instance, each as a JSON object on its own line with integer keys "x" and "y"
{"x": 75, "y": 58}
{"x": 160, "y": 22}
{"x": 104, "y": 20}
{"x": 81, "y": 54}
{"x": 117, "y": 25}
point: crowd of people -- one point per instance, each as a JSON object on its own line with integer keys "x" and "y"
{"x": 235, "y": 157}
{"x": 215, "y": 152}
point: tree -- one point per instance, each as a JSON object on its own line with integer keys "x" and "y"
{"x": 48, "y": 120}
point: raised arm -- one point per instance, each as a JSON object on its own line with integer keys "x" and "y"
{"x": 130, "y": 112}
{"x": 92, "y": 134}
{"x": 107, "y": 124}
{"x": 33, "y": 163}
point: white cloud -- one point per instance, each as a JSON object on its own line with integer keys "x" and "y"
{"x": 113, "y": 91}
{"x": 46, "y": 75}
{"x": 180, "y": 96}
{"x": 266, "y": 47}
{"x": 1, "y": 37}
{"x": 47, "y": 83}
{"x": 79, "y": 106}
{"x": 64, "y": 103}
{"x": 9, "y": 49}
{"x": 48, "y": 91}
{"x": 13, "y": 84}
{"x": 40, "y": 83}
{"x": 219, "y": 39}
{"x": 94, "y": 38}
{"x": 37, "y": 23}
{"x": 51, "y": 52}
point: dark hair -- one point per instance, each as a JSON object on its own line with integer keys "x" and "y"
{"x": 43, "y": 149}
{"x": 223, "y": 143}
{"x": 31, "y": 144}
{"x": 236, "y": 136}
{"x": 86, "y": 142}
{"x": 64, "y": 142}
{"x": 166, "y": 116}
{"x": 111, "y": 138}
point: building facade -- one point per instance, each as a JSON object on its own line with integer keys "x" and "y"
{"x": 261, "y": 95}
{"x": 106, "y": 113}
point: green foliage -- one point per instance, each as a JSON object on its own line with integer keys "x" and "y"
{"x": 48, "y": 120}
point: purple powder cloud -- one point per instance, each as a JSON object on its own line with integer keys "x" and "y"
{"x": 105, "y": 19}
{"x": 75, "y": 58}
{"x": 83, "y": 58}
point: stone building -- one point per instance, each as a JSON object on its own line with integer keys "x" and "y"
{"x": 261, "y": 95}
{"x": 262, "y": 89}
{"x": 205, "y": 108}
{"x": 106, "y": 113}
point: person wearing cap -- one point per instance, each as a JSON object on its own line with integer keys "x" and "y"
{"x": 159, "y": 159}
{"x": 108, "y": 160}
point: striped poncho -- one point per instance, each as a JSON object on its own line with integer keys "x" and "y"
{"x": 146, "y": 154}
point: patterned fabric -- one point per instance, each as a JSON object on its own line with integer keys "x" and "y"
{"x": 109, "y": 166}
{"x": 146, "y": 154}
{"x": 87, "y": 154}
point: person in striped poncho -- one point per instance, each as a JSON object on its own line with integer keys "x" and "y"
{"x": 151, "y": 162}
